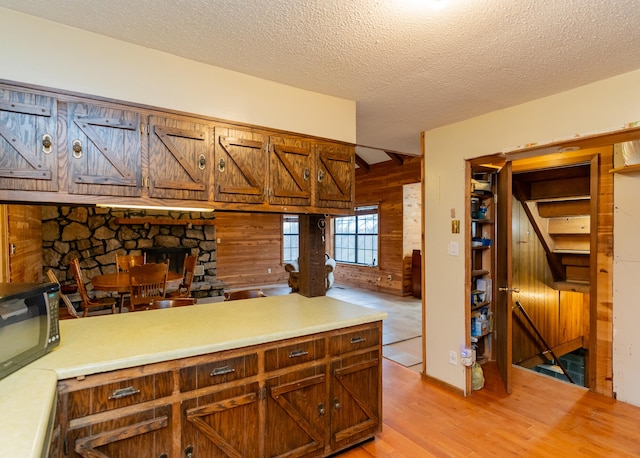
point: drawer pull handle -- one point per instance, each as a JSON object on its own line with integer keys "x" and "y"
{"x": 297, "y": 353}
{"x": 222, "y": 371}
{"x": 124, "y": 392}
{"x": 357, "y": 340}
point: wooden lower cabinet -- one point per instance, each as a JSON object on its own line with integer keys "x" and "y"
{"x": 302, "y": 397}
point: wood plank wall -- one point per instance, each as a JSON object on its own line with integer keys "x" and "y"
{"x": 249, "y": 245}
{"x": 382, "y": 184}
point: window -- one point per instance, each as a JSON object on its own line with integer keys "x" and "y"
{"x": 356, "y": 237}
{"x": 290, "y": 236}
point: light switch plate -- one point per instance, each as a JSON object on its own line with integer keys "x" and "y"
{"x": 453, "y": 248}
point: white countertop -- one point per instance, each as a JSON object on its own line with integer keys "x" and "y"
{"x": 110, "y": 342}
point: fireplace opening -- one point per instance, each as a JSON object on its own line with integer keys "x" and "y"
{"x": 175, "y": 255}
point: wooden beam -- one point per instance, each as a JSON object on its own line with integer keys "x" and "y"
{"x": 165, "y": 221}
{"x": 395, "y": 157}
{"x": 313, "y": 270}
{"x": 362, "y": 163}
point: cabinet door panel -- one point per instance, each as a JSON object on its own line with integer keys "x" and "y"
{"x": 296, "y": 414}
{"x": 241, "y": 166}
{"x": 107, "y": 156}
{"x": 355, "y": 394}
{"x": 144, "y": 433}
{"x": 335, "y": 176}
{"x": 27, "y": 125}
{"x": 222, "y": 424}
{"x": 180, "y": 154}
{"x": 291, "y": 171}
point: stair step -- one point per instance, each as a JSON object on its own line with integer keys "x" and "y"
{"x": 575, "y": 286}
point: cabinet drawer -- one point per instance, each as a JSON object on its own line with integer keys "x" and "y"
{"x": 222, "y": 371}
{"x": 355, "y": 340}
{"x": 297, "y": 353}
{"x": 123, "y": 393}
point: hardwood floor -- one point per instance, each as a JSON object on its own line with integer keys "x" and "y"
{"x": 543, "y": 417}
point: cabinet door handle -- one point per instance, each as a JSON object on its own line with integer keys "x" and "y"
{"x": 221, "y": 165}
{"x": 76, "y": 145}
{"x": 320, "y": 175}
{"x": 202, "y": 162}
{"x": 47, "y": 142}
{"x": 222, "y": 371}
{"x": 124, "y": 392}
{"x": 188, "y": 451}
{"x": 321, "y": 409}
{"x": 306, "y": 174}
{"x": 336, "y": 404}
{"x": 357, "y": 340}
{"x": 297, "y": 353}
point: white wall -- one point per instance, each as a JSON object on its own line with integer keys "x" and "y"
{"x": 599, "y": 107}
{"x": 45, "y": 53}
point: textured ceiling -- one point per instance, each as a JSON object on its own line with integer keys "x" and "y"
{"x": 410, "y": 65}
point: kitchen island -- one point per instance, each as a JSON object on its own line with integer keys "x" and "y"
{"x": 245, "y": 363}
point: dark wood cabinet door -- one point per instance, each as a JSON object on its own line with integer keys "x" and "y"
{"x": 335, "y": 176}
{"x": 240, "y": 166}
{"x": 296, "y": 413}
{"x": 28, "y": 141}
{"x": 180, "y": 157}
{"x": 291, "y": 171}
{"x": 355, "y": 399}
{"x": 104, "y": 150}
{"x": 143, "y": 433}
{"x": 222, "y": 424}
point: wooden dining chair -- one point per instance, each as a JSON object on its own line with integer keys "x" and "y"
{"x": 67, "y": 302}
{"x": 125, "y": 261}
{"x": 147, "y": 282}
{"x": 188, "y": 269}
{"x": 87, "y": 302}
{"x": 169, "y": 303}
{"x": 243, "y": 294}
{"x": 123, "y": 264}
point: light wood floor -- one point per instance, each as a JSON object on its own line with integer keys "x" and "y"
{"x": 543, "y": 417}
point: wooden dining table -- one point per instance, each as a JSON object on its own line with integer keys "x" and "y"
{"x": 119, "y": 282}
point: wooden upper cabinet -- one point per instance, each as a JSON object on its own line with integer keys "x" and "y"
{"x": 104, "y": 150}
{"x": 335, "y": 176}
{"x": 28, "y": 141}
{"x": 291, "y": 171}
{"x": 240, "y": 165}
{"x": 180, "y": 153}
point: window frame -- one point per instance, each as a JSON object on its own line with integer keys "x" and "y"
{"x": 289, "y": 219}
{"x": 359, "y": 211}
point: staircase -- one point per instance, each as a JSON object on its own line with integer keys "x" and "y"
{"x": 558, "y": 204}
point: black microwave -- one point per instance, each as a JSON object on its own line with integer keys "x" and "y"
{"x": 28, "y": 323}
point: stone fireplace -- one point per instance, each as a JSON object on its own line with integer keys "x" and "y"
{"x": 175, "y": 255}
{"x": 94, "y": 236}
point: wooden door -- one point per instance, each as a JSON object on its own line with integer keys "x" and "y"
{"x": 503, "y": 317}
{"x": 296, "y": 413}
{"x": 240, "y": 166}
{"x": 335, "y": 176}
{"x": 354, "y": 398}
{"x": 24, "y": 228}
{"x": 104, "y": 150}
{"x": 291, "y": 168}
{"x": 221, "y": 424}
{"x": 180, "y": 156}
{"x": 28, "y": 141}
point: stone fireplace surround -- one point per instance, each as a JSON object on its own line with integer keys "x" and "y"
{"x": 92, "y": 235}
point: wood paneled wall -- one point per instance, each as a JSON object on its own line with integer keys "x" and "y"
{"x": 559, "y": 316}
{"x": 249, "y": 244}
{"x": 382, "y": 184}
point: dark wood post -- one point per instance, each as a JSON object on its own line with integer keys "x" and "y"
{"x": 313, "y": 271}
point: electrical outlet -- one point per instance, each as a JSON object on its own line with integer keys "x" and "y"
{"x": 453, "y": 357}
{"x": 268, "y": 270}
{"x": 198, "y": 271}
{"x": 389, "y": 277}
